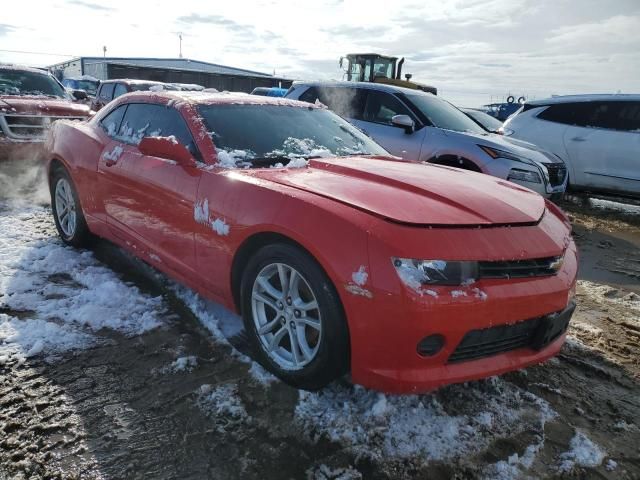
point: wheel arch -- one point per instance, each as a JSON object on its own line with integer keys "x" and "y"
{"x": 255, "y": 242}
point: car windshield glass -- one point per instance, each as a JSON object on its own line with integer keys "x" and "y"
{"x": 442, "y": 114}
{"x": 21, "y": 82}
{"x": 87, "y": 85}
{"x": 137, "y": 87}
{"x": 269, "y": 135}
{"x": 487, "y": 121}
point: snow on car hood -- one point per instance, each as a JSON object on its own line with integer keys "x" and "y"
{"x": 413, "y": 193}
{"x": 527, "y": 151}
{"x": 35, "y": 105}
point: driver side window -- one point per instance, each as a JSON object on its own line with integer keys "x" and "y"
{"x": 381, "y": 107}
{"x": 153, "y": 120}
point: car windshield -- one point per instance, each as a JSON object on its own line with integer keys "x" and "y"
{"x": 138, "y": 87}
{"x": 87, "y": 85}
{"x": 487, "y": 121}
{"x": 277, "y": 135}
{"x": 22, "y": 82}
{"x": 442, "y": 114}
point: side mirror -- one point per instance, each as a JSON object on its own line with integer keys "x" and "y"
{"x": 404, "y": 121}
{"x": 79, "y": 94}
{"x": 167, "y": 148}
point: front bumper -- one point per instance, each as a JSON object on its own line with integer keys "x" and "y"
{"x": 387, "y": 327}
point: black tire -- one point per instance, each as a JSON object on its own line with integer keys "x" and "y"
{"x": 81, "y": 236}
{"x": 332, "y": 359}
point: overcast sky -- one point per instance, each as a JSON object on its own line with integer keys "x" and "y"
{"x": 474, "y": 51}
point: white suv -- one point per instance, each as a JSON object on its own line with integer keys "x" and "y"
{"x": 598, "y": 136}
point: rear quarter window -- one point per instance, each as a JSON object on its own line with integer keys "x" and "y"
{"x": 106, "y": 92}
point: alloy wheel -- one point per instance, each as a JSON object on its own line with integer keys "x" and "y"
{"x": 65, "y": 207}
{"x": 286, "y": 316}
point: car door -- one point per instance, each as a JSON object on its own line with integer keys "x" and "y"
{"x": 119, "y": 89}
{"x": 375, "y": 120}
{"x": 104, "y": 96}
{"x": 149, "y": 201}
{"x": 604, "y": 146}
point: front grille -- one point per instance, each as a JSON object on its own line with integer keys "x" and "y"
{"x": 28, "y": 127}
{"x": 494, "y": 340}
{"x": 537, "y": 267}
{"x": 536, "y": 333}
{"x": 557, "y": 173}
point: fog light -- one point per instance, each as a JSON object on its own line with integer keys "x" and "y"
{"x": 430, "y": 345}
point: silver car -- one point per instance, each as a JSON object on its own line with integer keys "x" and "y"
{"x": 420, "y": 126}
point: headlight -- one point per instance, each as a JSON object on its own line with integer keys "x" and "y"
{"x": 496, "y": 153}
{"x": 415, "y": 273}
{"x": 524, "y": 176}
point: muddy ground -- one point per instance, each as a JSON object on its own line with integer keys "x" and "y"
{"x": 118, "y": 409}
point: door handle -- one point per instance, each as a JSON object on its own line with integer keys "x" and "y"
{"x": 578, "y": 139}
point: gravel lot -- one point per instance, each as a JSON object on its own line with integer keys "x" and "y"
{"x": 110, "y": 370}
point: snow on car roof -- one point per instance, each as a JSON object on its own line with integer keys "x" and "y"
{"x": 24, "y": 68}
{"x": 590, "y": 97}
{"x": 238, "y": 98}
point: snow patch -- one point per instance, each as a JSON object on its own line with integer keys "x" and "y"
{"x": 221, "y": 401}
{"x": 583, "y": 453}
{"x": 357, "y": 290}
{"x": 360, "y": 277}
{"x": 66, "y": 295}
{"x": 202, "y": 215}
{"x": 181, "y": 364}
{"x": 396, "y": 427}
{"x": 114, "y": 154}
{"x": 458, "y": 293}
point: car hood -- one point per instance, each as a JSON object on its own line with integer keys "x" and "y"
{"x": 40, "y": 105}
{"x": 522, "y": 149}
{"x": 413, "y": 193}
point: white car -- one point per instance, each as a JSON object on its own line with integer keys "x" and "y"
{"x": 598, "y": 137}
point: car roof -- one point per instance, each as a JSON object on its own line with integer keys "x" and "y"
{"x": 213, "y": 98}
{"x": 382, "y": 87}
{"x": 600, "y": 97}
{"x": 133, "y": 81}
{"x": 24, "y": 68}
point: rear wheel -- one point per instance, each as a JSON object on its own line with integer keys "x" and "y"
{"x": 67, "y": 212}
{"x": 294, "y": 317}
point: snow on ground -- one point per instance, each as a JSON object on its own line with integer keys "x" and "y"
{"x": 420, "y": 426}
{"x": 628, "y": 208}
{"x": 222, "y": 402}
{"x": 54, "y": 298}
{"x": 583, "y": 453}
{"x": 324, "y": 472}
{"x": 181, "y": 364}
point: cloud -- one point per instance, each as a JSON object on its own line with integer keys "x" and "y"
{"x": 5, "y": 29}
{"x": 92, "y": 6}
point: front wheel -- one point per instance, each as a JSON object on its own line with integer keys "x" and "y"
{"x": 294, "y": 317}
{"x": 67, "y": 212}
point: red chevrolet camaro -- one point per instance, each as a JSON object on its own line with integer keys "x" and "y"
{"x": 339, "y": 257}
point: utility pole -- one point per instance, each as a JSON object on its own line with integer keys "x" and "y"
{"x": 104, "y": 51}
{"x": 180, "y": 37}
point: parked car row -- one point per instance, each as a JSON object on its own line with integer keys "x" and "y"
{"x": 339, "y": 256}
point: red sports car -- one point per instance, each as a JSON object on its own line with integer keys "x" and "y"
{"x": 339, "y": 257}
